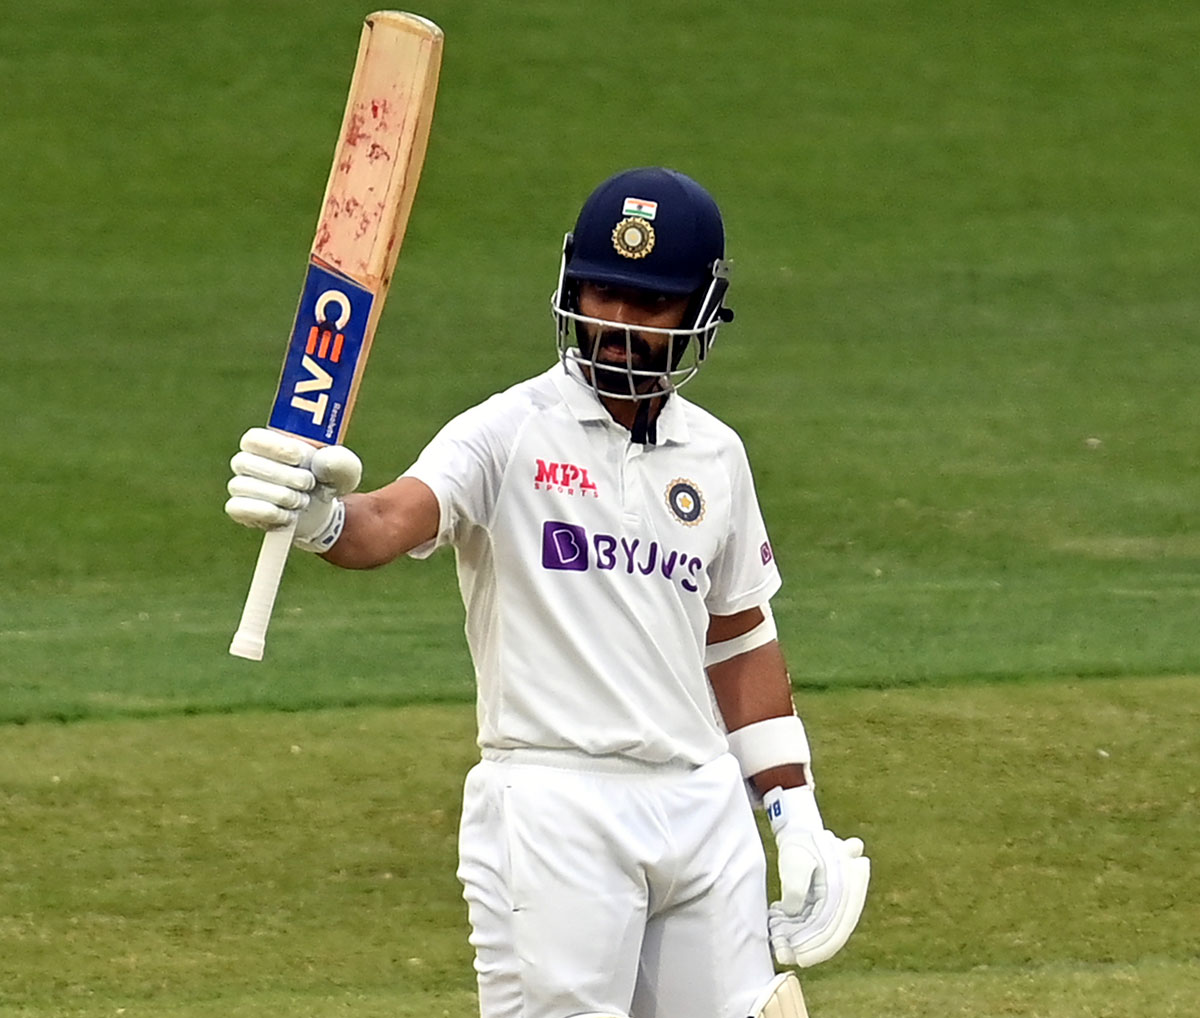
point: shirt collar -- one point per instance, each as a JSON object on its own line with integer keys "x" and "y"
{"x": 577, "y": 394}
{"x": 583, "y": 402}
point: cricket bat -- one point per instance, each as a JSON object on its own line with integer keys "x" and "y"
{"x": 376, "y": 164}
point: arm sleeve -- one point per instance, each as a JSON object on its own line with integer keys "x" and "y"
{"x": 744, "y": 574}
{"x": 464, "y": 466}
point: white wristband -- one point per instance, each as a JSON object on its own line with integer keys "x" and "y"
{"x": 327, "y": 536}
{"x": 772, "y": 742}
{"x": 761, "y": 634}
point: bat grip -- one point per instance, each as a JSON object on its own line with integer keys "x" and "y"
{"x": 251, "y": 635}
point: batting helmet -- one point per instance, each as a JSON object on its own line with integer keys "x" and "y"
{"x": 653, "y": 229}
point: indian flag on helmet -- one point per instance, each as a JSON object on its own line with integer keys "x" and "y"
{"x": 640, "y": 207}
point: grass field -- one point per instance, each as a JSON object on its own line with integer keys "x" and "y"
{"x": 302, "y": 864}
{"x": 965, "y": 365}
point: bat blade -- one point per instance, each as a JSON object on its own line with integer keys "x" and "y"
{"x": 368, "y": 199}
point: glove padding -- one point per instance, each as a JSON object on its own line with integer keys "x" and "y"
{"x": 279, "y": 480}
{"x": 823, "y": 881}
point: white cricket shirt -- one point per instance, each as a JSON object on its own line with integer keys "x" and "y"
{"x": 589, "y": 566}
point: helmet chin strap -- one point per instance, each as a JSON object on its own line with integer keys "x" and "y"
{"x": 645, "y": 427}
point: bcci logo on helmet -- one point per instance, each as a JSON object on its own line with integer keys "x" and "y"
{"x": 633, "y": 238}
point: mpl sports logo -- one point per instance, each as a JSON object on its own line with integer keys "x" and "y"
{"x": 566, "y": 478}
{"x": 322, "y": 356}
{"x": 569, "y": 547}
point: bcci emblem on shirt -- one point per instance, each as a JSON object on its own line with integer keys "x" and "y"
{"x": 685, "y": 502}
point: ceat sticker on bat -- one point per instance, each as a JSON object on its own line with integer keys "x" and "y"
{"x": 322, "y": 356}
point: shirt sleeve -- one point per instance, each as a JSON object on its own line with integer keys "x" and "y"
{"x": 464, "y": 465}
{"x": 744, "y": 574}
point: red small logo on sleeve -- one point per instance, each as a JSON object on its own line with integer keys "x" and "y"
{"x": 765, "y": 552}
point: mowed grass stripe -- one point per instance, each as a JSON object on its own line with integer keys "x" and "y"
{"x": 395, "y": 637}
{"x": 1023, "y": 837}
{"x": 1162, "y": 989}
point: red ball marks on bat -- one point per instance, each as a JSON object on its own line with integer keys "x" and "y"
{"x": 354, "y": 130}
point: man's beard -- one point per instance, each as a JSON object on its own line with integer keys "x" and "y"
{"x": 608, "y": 347}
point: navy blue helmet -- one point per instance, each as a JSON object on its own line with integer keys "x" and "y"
{"x": 657, "y": 230}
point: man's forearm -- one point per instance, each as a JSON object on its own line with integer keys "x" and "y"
{"x": 385, "y": 524}
{"x": 754, "y": 687}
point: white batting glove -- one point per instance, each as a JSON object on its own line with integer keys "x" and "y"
{"x": 823, "y": 881}
{"x": 278, "y": 480}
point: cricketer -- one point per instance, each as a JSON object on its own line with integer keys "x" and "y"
{"x": 634, "y": 706}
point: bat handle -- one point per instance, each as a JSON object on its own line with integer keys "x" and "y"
{"x": 251, "y": 635}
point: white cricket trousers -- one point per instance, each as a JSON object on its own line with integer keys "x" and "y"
{"x": 622, "y": 889}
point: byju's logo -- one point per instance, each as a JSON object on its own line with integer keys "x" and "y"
{"x": 566, "y": 546}
{"x": 564, "y": 477}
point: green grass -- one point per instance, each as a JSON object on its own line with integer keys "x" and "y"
{"x": 964, "y": 364}
{"x": 964, "y": 360}
{"x": 1030, "y": 857}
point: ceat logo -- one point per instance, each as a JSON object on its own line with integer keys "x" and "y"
{"x": 310, "y": 393}
{"x": 323, "y": 356}
{"x": 566, "y": 478}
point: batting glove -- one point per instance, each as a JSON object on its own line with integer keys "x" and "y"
{"x": 823, "y": 881}
{"x": 279, "y": 480}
